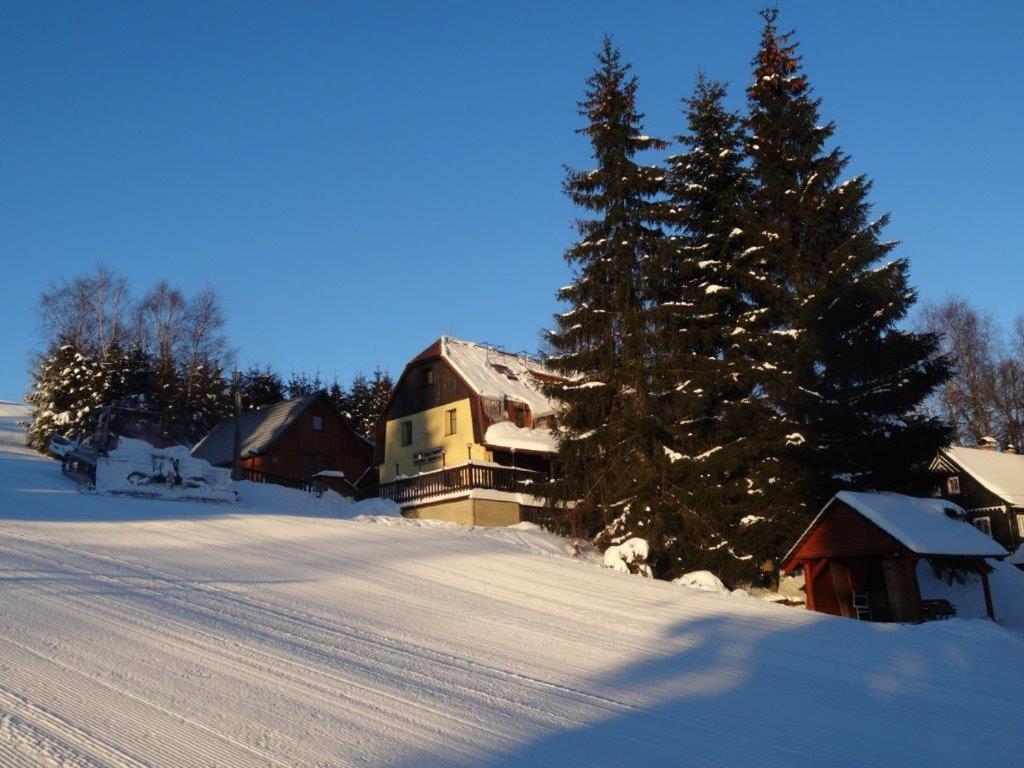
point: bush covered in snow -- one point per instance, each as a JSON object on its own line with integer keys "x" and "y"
{"x": 629, "y": 557}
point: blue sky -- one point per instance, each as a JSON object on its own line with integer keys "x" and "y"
{"x": 357, "y": 179}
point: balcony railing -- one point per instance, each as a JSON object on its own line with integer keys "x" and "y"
{"x": 464, "y": 477}
{"x": 314, "y": 485}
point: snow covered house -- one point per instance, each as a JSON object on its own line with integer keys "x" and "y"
{"x": 989, "y": 485}
{"x": 295, "y": 442}
{"x": 466, "y": 434}
{"x": 861, "y": 556}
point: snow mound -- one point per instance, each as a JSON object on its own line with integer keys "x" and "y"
{"x": 705, "y": 581}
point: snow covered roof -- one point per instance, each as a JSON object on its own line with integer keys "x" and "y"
{"x": 921, "y": 525}
{"x": 505, "y": 434}
{"x": 1000, "y": 473}
{"x": 496, "y": 374}
{"x": 259, "y": 431}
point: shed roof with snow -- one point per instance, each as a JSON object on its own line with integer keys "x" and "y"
{"x": 922, "y": 526}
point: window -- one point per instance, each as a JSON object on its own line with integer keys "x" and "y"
{"x": 1020, "y": 526}
{"x": 318, "y": 423}
{"x": 325, "y": 461}
{"x": 983, "y": 524}
{"x": 953, "y": 485}
{"x": 520, "y": 415}
{"x": 308, "y": 461}
{"x": 406, "y": 433}
{"x": 451, "y": 425}
{"x": 427, "y": 376}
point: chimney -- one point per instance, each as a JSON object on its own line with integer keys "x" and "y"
{"x": 988, "y": 444}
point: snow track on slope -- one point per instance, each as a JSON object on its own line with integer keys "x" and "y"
{"x": 141, "y": 634}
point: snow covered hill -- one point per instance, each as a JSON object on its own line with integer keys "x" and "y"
{"x": 140, "y": 633}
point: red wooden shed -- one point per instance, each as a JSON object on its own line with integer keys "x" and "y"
{"x": 859, "y": 556}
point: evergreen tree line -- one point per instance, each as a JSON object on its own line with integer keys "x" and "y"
{"x": 732, "y": 332}
{"x": 165, "y": 351}
{"x": 363, "y": 401}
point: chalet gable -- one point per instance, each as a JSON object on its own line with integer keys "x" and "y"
{"x": 503, "y": 388}
{"x": 999, "y": 473}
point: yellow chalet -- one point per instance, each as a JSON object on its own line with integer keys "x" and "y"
{"x": 467, "y": 434}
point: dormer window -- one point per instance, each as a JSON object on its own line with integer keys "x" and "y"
{"x": 953, "y": 485}
{"x": 520, "y": 416}
{"x": 505, "y": 371}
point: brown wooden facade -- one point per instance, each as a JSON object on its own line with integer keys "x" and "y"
{"x": 853, "y": 568}
{"x": 291, "y": 442}
{"x": 301, "y": 450}
{"x": 986, "y": 510}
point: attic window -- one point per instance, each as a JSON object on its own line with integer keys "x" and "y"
{"x": 318, "y": 423}
{"x": 953, "y": 485}
{"x": 427, "y": 376}
{"x": 505, "y": 371}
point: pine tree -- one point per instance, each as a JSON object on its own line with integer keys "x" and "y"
{"x": 610, "y": 457}
{"x": 302, "y": 385}
{"x": 709, "y": 333}
{"x": 847, "y": 381}
{"x": 378, "y": 394}
{"x": 359, "y": 408}
{"x": 338, "y": 396}
{"x": 66, "y": 390}
{"x": 205, "y": 402}
{"x": 138, "y": 376}
{"x": 261, "y": 387}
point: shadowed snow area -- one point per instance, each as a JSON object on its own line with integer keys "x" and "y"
{"x": 142, "y": 633}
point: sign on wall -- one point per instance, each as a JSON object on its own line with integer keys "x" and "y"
{"x": 429, "y": 456}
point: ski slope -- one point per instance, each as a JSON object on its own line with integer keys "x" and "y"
{"x": 142, "y": 633}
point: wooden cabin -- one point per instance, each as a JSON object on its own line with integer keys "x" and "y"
{"x": 860, "y": 555}
{"x": 297, "y": 443}
{"x": 989, "y": 485}
{"x": 467, "y": 433}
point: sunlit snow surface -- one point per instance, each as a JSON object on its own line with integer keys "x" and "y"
{"x": 144, "y": 633}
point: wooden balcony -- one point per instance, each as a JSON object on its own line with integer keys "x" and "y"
{"x": 315, "y": 485}
{"x": 466, "y": 477}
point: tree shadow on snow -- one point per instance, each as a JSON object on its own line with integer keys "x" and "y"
{"x": 741, "y": 691}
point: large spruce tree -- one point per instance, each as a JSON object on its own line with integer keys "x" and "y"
{"x": 610, "y": 460}
{"x": 845, "y": 380}
{"x": 710, "y": 336}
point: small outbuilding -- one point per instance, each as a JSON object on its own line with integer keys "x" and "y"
{"x": 859, "y": 556}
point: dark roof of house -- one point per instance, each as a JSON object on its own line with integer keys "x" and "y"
{"x": 260, "y": 429}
